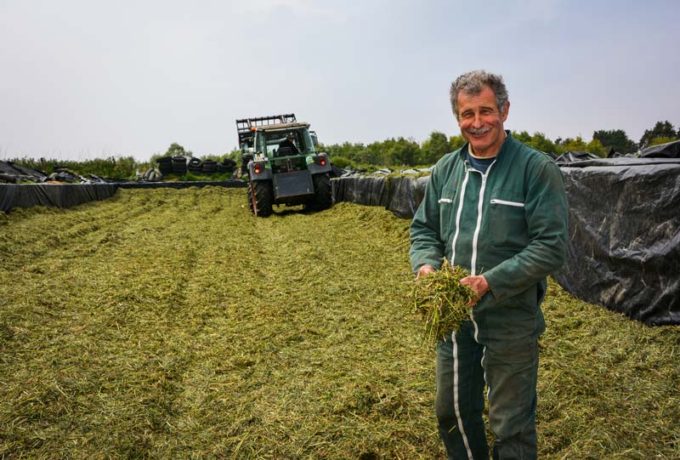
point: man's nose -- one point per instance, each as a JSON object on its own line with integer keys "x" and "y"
{"x": 477, "y": 121}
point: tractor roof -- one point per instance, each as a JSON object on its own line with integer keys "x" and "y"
{"x": 246, "y": 127}
{"x": 281, "y": 126}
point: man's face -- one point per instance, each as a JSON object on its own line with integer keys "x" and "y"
{"x": 481, "y": 122}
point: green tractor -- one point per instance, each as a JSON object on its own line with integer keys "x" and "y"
{"x": 279, "y": 156}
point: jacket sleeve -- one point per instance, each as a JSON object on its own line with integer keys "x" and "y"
{"x": 546, "y": 214}
{"x": 426, "y": 242}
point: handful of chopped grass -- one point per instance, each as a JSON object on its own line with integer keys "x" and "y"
{"x": 442, "y": 300}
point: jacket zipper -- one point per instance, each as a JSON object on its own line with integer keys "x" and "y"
{"x": 475, "y": 239}
{"x": 516, "y": 204}
{"x": 478, "y": 227}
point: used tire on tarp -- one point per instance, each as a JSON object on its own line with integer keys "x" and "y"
{"x": 194, "y": 165}
{"x": 179, "y": 165}
{"x": 227, "y": 165}
{"x": 164, "y": 165}
{"x": 209, "y": 166}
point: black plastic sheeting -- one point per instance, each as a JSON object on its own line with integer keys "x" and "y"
{"x": 12, "y": 173}
{"x": 69, "y": 195}
{"x": 56, "y": 195}
{"x": 668, "y": 150}
{"x": 571, "y": 157}
{"x": 624, "y": 230}
{"x": 401, "y": 195}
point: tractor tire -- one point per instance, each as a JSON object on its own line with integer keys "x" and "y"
{"x": 260, "y": 197}
{"x": 323, "y": 194}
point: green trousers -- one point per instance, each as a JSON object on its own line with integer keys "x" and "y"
{"x": 509, "y": 369}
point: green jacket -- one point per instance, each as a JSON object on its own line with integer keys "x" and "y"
{"x": 509, "y": 224}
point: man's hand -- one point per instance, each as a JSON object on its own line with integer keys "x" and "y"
{"x": 425, "y": 270}
{"x": 478, "y": 284}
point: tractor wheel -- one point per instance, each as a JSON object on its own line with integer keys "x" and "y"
{"x": 323, "y": 195}
{"x": 260, "y": 197}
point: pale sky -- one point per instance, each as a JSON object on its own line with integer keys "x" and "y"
{"x": 82, "y": 79}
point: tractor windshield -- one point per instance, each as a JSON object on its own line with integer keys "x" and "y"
{"x": 286, "y": 143}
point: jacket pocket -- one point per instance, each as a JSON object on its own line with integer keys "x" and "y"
{"x": 507, "y": 224}
{"x": 445, "y": 217}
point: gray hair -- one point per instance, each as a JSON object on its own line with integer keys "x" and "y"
{"x": 473, "y": 82}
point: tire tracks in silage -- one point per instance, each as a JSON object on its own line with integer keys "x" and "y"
{"x": 56, "y": 254}
{"x": 223, "y": 295}
{"x": 53, "y": 255}
{"x": 42, "y": 254}
{"x": 106, "y": 250}
{"x": 188, "y": 307}
{"x": 44, "y": 232}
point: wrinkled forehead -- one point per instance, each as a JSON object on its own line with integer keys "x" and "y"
{"x": 480, "y": 96}
{"x": 475, "y": 89}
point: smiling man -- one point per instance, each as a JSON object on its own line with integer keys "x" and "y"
{"x": 497, "y": 208}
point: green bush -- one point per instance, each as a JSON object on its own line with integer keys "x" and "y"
{"x": 343, "y": 162}
{"x": 123, "y": 168}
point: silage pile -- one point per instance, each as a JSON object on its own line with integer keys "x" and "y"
{"x": 171, "y": 324}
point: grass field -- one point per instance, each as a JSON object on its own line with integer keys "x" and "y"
{"x": 172, "y": 324}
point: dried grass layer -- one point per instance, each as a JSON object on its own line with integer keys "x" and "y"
{"x": 171, "y": 324}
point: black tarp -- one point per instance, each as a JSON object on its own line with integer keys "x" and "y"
{"x": 571, "y": 157}
{"x": 12, "y": 173}
{"x": 56, "y": 195}
{"x": 401, "y": 195}
{"x": 68, "y": 195}
{"x": 668, "y": 150}
{"x": 404, "y": 194}
{"x": 624, "y": 230}
{"x": 361, "y": 190}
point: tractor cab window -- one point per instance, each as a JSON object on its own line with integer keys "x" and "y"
{"x": 284, "y": 143}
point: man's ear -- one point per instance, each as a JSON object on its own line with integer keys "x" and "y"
{"x": 505, "y": 111}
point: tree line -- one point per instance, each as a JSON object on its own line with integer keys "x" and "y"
{"x": 389, "y": 153}
{"x": 408, "y": 152}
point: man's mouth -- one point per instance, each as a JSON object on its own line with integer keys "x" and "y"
{"x": 478, "y": 132}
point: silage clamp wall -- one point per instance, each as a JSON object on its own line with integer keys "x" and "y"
{"x": 55, "y": 195}
{"x": 64, "y": 195}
